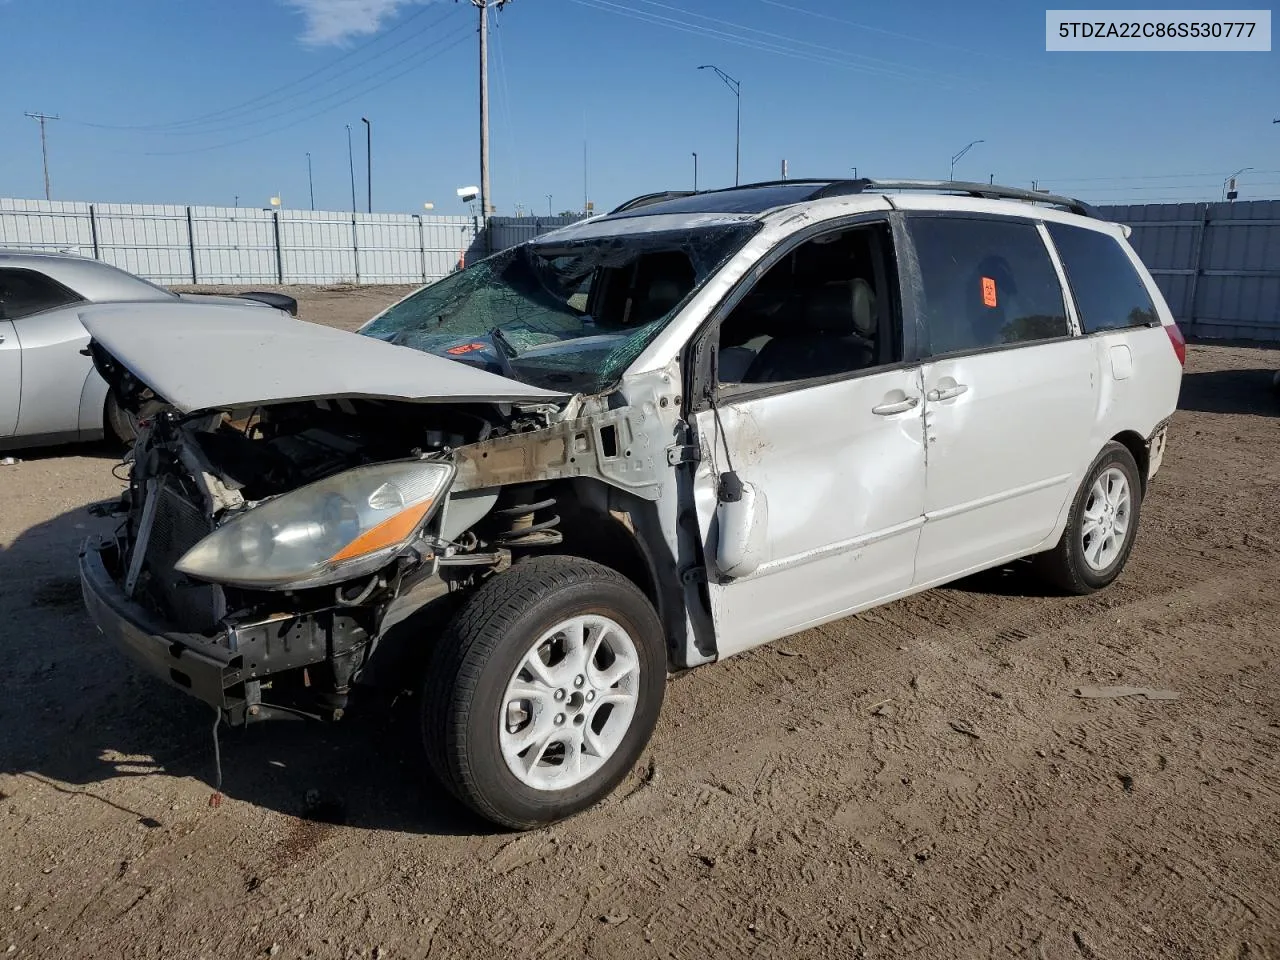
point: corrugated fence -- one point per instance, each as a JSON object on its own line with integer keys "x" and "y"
{"x": 195, "y": 245}
{"x": 1218, "y": 264}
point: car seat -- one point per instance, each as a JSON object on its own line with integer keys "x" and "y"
{"x": 835, "y": 333}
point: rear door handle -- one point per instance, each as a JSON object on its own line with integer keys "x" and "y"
{"x": 898, "y": 406}
{"x": 946, "y": 393}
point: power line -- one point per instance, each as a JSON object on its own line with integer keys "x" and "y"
{"x": 227, "y": 115}
{"x": 1149, "y": 176}
{"x": 749, "y": 43}
{"x": 895, "y": 65}
{"x": 513, "y": 156}
{"x": 457, "y": 38}
{"x": 888, "y": 33}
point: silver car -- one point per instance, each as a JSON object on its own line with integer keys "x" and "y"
{"x": 49, "y": 390}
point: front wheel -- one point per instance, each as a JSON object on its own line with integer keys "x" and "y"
{"x": 544, "y": 691}
{"x": 1101, "y": 528}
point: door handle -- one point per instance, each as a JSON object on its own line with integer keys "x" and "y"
{"x": 897, "y": 406}
{"x": 946, "y": 393}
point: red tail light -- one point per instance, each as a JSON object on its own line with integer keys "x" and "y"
{"x": 1178, "y": 340}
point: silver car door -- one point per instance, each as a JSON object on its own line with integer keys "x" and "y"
{"x": 10, "y": 378}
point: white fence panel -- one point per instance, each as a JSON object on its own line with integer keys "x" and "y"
{"x": 509, "y": 231}
{"x": 151, "y": 241}
{"x": 317, "y": 247}
{"x": 247, "y": 245}
{"x": 45, "y": 225}
{"x": 388, "y": 248}
{"x": 233, "y": 245}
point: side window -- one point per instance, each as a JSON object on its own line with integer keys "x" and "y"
{"x": 1110, "y": 295}
{"x": 987, "y": 283}
{"x": 24, "y": 292}
{"x": 823, "y": 310}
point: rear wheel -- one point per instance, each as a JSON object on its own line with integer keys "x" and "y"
{"x": 1101, "y": 528}
{"x": 544, "y": 691}
{"x": 118, "y": 423}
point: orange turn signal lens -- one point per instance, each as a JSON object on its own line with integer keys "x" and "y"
{"x": 388, "y": 533}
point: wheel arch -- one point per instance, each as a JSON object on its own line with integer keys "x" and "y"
{"x": 1136, "y": 444}
{"x": 622, "y": 531}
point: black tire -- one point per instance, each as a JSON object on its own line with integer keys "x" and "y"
{"x": 480, "y": 651}
{"x": 117, "y": 424}
{"x": 1065, "y": 565}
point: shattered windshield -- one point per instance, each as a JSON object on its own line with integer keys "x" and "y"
{"x": 569, "y": 315}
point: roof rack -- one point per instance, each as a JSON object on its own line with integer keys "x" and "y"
{"x": 990, "y": 191}
{"x": 842, "y": 188}
{"x": 648, "y": 198}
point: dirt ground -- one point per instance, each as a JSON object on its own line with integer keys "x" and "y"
{"x": 915, "y": 781}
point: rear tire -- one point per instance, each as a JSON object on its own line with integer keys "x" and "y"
{"x": 118, "y": 424}
{"x": 586, "y": 707}
{"x": 1101, "y": 528}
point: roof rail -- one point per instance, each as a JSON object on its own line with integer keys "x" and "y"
{"x": 990, "y": 191}
{"x": 842, "y": 188}
{"x": 648, "y": 198}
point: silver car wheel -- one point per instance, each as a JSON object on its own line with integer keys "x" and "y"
{"x": 1105, "y": 526}
{"x": 570, "y": 703}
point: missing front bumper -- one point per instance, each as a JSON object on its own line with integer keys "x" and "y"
{"x": 198, "y": 665}
{"x": 305, "y": 662}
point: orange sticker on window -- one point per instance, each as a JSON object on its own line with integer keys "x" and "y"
{"x": 988, "y": 292}
{"x": 465, "y": 348}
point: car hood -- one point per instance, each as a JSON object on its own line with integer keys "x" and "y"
{"x": 216, "y": 357}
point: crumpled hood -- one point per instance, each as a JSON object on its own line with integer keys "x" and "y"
{"x": 216, "y": 357}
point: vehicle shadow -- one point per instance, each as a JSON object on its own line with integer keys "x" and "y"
{"x": 1017, "y": 579}
{"x": 98, "y": 449}
{"x": 77, "y": 715}
{"x": 1231, "y": 391}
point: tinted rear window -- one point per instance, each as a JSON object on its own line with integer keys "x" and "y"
{"x": 987, "y": 283}
{"x": 1109, "y": 293}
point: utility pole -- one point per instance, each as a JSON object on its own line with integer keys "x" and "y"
{"x": 311, "y": 187}
{"x": 368, "y": 158}
{"x": 695, "y": 171}
{"x": 351, "y": 165}
{"x": 486, "y": 202}
{"x": 44, "y": 147}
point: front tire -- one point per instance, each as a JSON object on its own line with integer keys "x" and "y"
{"x": 544, "y": 691}
{"x": 1103, "y": 524}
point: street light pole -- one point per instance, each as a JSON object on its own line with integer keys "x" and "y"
{"x": 961, "y": 154}
{"x": 311, "y": 187}
{"x": 736, "y": 87}
{"x": 549, "y": 213}
{"x": 351, "y": 165}
{"x": 695, "y": 171}
{"x": 368, "y": 158}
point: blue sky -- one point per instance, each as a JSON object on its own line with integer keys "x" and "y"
{"x": 201, "y": 102}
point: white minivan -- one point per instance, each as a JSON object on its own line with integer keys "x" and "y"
{"x": 644, "y": 442}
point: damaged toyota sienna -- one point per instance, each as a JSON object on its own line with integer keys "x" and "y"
{"x": 644, "y": 442}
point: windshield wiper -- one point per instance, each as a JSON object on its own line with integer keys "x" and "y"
{"x": 506, "y": 352}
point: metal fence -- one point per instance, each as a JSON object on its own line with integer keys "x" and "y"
{"x": 1218, "y": 264}
{"x": 198, "y": 245}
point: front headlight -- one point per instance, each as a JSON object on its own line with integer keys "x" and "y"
{"x": 331, "y": 530}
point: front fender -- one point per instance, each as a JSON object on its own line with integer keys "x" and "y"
{"x": 93, "y": 405}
